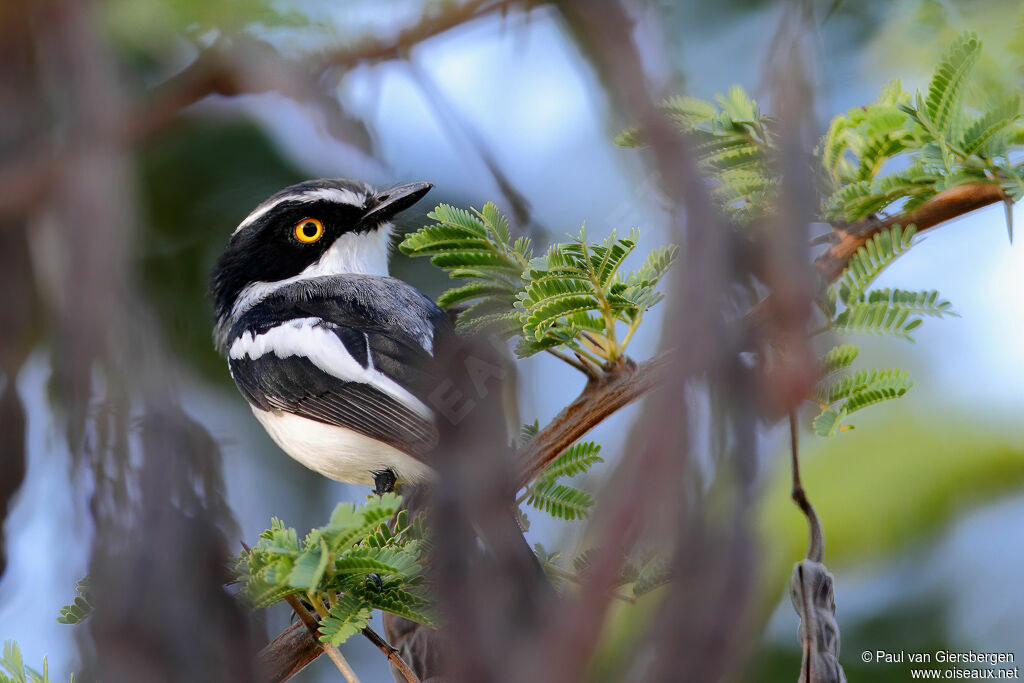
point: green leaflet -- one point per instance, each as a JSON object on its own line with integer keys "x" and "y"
{"x": 857, "y": 391}
{"x": 574, "y": 297}
{"x": 559, "y": 501}
{"x": 864, "y": 380}
{"x": 979, "y": 136}
{"x": 732, "y": 141}
{"x": 575, "y": 460}
{"x": 839, "y": 357}
{"x": 362, "y": 546}
{"x": 17, "y": 672}
{"x": 81, "y": 608}
{"x": 391, "y": 597}
{"x": 871, "y": 259}
{"x": 945, "y": 92}
{"x": 347, "y": 617}
{"x": 310, "y": 566}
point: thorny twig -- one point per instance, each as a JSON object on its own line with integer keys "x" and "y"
{"x": 392, "y": 654}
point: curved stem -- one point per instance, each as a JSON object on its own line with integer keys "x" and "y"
{"x": 392, "y": 654}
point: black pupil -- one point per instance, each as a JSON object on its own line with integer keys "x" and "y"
{"x": 309, "y": 229}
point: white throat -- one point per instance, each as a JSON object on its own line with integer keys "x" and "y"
{"x": 364, "y": 253}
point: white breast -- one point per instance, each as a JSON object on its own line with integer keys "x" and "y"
{"x": 338, "y": 453}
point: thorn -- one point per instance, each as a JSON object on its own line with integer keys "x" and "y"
{"x": 1008, "y": 207}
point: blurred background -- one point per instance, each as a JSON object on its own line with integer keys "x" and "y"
{"x": 136, "y": 134}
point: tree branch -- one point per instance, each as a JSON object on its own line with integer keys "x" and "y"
{"x": 288, "y": 653}
{"x": 945, "y": 206}
{"x": 600, "y": 398}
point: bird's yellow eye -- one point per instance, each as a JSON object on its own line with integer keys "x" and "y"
{"x": 309, "y": 230}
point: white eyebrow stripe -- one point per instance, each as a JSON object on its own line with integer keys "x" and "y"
{"x": 330, "y": 194}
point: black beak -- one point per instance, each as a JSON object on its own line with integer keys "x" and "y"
{"x": 387, "y": 203}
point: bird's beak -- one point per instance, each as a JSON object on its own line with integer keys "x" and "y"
{"x": 386, "y": 203}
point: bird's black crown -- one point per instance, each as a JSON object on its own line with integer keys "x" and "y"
{"x": 280, "y": 239}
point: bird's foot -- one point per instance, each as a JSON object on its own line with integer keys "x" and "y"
{"x": 384, "y": 481}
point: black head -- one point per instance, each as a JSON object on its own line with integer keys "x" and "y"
{"x": 293, "y": 232}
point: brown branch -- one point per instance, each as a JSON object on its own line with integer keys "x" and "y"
{"x": 945, "y": 206}
{"x": 600, "y": 398}
{"x": 288, "y": 653}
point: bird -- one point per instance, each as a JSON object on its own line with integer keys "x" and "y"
{"x": 335, "y": 357}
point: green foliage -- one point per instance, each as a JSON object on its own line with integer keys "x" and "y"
{"x": 80, "y": 609}
{"x": 931, "y": 142}
{"x": 732, "y": 141}
{"x": 870, "y": 260}
{"x": 838, "y": 357}
{"x": 475, "y": 245}
{"x": 576, "y": 459}
{"x": 528, "y": 431}
{"x": 15, "y": 671}
{"x": 859, "y": 390}
{"x": 941, "y": 141}
{"x": 643, "y": 571}
{"x": 348, "y": 616}
{"x": 574, "y": 297}
{"x": 894, "y": 312}
{"x": 561, "y": 500}
{"x": 367, "y": 557}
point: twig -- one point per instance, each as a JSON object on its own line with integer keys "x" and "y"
{"x": 945, "y": 206}
{"x": 457, "y": 125}
{"x": 578, "y": 364}
{"x": 816, "y": 544}
{"x": 392, "y": 654}
{"x": 334, "y": 653}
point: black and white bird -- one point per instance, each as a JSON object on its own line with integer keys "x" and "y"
{"x": 334, "y": 356}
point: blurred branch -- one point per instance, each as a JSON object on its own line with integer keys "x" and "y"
{"x": 25, "y": 181}
{"x": 458, "y": 125}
